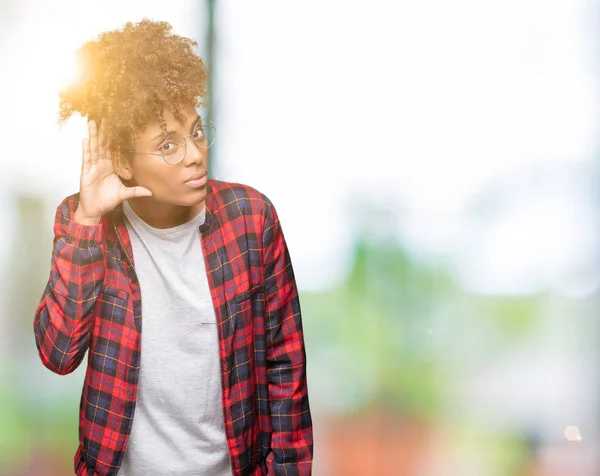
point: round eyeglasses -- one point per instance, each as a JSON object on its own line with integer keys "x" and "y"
{"x": 174, "y": 147}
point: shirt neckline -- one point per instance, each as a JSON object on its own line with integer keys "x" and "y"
{"x": 134, "y": 218}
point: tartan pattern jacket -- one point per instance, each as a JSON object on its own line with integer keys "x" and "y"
{"x": 92, "y": 302}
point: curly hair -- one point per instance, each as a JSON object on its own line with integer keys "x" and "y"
{"x": 131, "y": 75}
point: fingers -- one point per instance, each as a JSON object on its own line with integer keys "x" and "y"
{"x": 134, "y": 192}
{"x": 108, "y": 150}
{"x": 101, "y": 140}
{"x": 98, "y": 143}
{"x": 86, "y": 158}
{"x": 93, "y": 131}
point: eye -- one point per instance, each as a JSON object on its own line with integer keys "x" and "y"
{"x": 169, "y": 146}
{"x": 198, "y": 133}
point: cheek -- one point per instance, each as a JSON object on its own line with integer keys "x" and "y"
{"x": 153, "y": 175}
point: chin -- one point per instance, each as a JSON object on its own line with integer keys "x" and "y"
{"x": 195, "y": 197}
{"x": 189, "y": 199}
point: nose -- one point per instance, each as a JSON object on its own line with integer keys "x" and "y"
{"x": 193, "y": 155}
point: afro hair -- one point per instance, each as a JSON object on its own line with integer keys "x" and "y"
{"x": 129, "y": 76}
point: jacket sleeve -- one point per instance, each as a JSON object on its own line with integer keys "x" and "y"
{"x": 64, "y": 318}
{"x": 292, "y": 441}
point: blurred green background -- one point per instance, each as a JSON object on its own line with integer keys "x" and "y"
{"x": 434, "y": 166}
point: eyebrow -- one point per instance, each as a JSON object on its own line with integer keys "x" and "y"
{"x": 168, "y": 133}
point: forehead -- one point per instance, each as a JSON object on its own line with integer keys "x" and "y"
{"x": 172, "y": 123}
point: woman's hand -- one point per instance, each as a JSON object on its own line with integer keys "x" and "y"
{"x": 100, "y": 189}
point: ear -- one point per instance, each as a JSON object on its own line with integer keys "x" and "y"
{"x": 122, "y": 165}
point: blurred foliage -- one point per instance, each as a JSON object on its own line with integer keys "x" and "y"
{"x": 386, "y": 335}
{"x": 28, "y": 429}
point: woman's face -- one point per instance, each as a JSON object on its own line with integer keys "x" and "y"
{"x": 183, "y": 183}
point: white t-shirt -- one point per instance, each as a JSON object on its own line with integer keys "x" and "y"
{"x": 178, "y": 423}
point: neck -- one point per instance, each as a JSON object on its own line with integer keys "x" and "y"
{"x": 163, "y": 215}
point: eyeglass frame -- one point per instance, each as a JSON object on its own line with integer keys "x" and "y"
{"x": 208, "y": 124}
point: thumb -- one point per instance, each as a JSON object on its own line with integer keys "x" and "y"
{"x": 134, "y": 192}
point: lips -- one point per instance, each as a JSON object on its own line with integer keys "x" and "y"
{"x": 195, "y": 177}
{"x": 197, "y": 180}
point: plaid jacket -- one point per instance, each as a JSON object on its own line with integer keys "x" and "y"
{"x": 93, "y": 302}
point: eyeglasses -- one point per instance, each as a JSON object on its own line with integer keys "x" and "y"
{"x": 174, "y": 148}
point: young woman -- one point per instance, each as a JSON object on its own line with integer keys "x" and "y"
{"x": 179, "y": 287}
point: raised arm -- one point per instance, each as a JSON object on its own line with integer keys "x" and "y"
{"x": 64, "y": 319}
